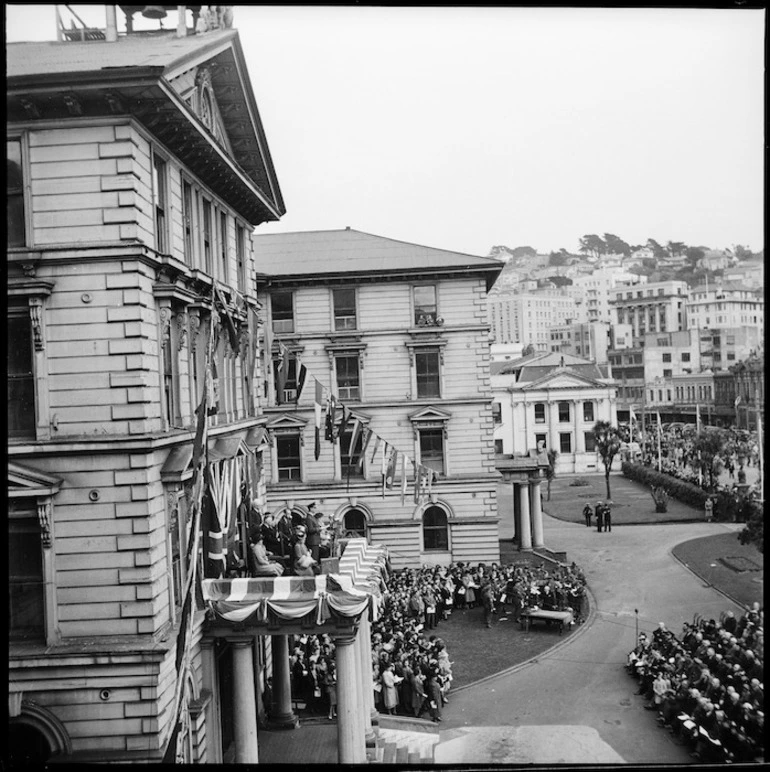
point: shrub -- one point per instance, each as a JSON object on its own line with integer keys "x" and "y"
{"x": 579, "y": 482}
{"x": 680, "y": 490}
{"x": 660, "y": 497}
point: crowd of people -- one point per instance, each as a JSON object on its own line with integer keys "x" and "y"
{"x": 411, "y": 668}
{"x": 707, "y": 686}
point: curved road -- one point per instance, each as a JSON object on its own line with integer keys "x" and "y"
{"x": 576, "y": 703}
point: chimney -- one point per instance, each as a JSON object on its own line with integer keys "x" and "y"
{"x": 111, "y": 32}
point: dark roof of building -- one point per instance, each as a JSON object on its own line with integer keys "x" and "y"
{"x": 346, "y": 251}
{"x": 536, "y": 366}
{"x": 151, "y": 50}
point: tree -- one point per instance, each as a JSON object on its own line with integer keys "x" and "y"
{"x": 550, "y": 473}
{"x": 557, "y": 259}
{"x": 754, "y": 532}
{"x": 708, "y": 447}
{"x": 607, "y": 441}
{"x": 593, "y": 245}
{"x": 693, "y": 254}
{"x": 616, "y": 245}
{"x": 657, "y": 250}
{"x": 523, "y": 252}
{"x": 675, "y": 248}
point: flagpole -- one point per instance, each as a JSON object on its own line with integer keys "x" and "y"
{"x": 759, "y": 446}
{"x": 659, "y": 433}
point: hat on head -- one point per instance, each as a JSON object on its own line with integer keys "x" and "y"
{"x": 300, "y": 530}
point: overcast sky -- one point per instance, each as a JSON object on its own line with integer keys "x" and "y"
{"x": 464, "y": 128}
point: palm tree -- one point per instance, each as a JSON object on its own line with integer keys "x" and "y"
{"x": 550, "y": 473}
{"x": 607, "y": 444}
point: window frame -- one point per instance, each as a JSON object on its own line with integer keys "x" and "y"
{"x": 21, "y": 313}
{"x": 22, "y": 194}
{"x": 434, "y": 429}
{"x": 563, "y": 408}
{"x": 357, "y": 511}
{"x": 442, "y": 529}
{"x": 189, "y": 222}
{"x": 284, "y": 324}
{"x": 241, "y": 256}
{"x": 207, "y": 227}
{"x": 540, "y": 407}
{"x": 428, "y": 377}
{"x": 343, "y": 459}
{"x": 568, "y": 437}
{"x": 286, "y": 435}
{"x": 341, "y": 320}
{"x": 161, "y": 202}
{"x": 589, "y": 440}
{"x": 348, "y": 392}
{"x": 424, "y": 314}
{"x": 586, "y": 417}
{"x": 223, "y": 232}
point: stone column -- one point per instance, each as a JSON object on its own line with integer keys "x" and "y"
{"x": 553, "y": 415}
{"x": 537, "y": 514}
{"x": 362, "y": 714}
{"x": 244, "y": 704}
{"x": 210, "y": 683}
{"x": 365, "y": 641}
{"x": 282, "y": 716}
{"x": 525, "y": 533}
{"x": 351, "y": 745}
{"x": 516, "y": 512}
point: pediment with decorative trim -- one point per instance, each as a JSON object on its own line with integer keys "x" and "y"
{"x": 562, "y": 380}
{"x": 429, "y": 413}
{"x": 286, "y": 421}
{"x": 23, "y": 481}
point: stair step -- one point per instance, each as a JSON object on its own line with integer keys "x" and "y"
{"x": 402, "y": 753}
{"x": 414, "y": 758}
{"x": 388, "y": 753}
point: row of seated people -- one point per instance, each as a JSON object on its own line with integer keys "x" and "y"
{"x": 707, "y": 686}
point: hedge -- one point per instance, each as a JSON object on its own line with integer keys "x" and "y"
{"x": 682, "y": 491}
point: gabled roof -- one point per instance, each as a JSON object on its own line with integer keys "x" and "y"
{"x": 136, "y": 75}
{"x": 534, "y": 368}
{"x": 561, "y": 378}
{"x": 344, "y": 252}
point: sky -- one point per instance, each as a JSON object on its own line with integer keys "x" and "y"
{"x": 466, "y": 128}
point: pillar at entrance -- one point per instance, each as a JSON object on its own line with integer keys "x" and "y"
{"x": 282, "y": 714}
{"x": 371, "y": 716}
{"x": 211, "y": 684}
{"x": 351, "y": 745}
{"x": 537, "y": 514}
{"x": 516, "y": 512}
{"x": 525, "y": 532}
{"x": 244, "y": 704}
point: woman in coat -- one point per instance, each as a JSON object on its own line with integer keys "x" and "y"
{"x": 433, "y": 691}
{"x": 418, "y": 690}
{"x": 389, "y": 690}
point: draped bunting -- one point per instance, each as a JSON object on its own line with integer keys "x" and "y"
{"x": 356, "y": 588}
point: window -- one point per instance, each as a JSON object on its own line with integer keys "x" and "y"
{"x": 590, "y": 442}
{"x": 731, "y": 355}
{"x": 21, "y": 378}
{"x": 287, "y": 449}
{"x": 26, "y": 583}
{"x": 187, "y": 219}
{"x": 667, "y": 357}
{"x": 498, "y": 447}
{"x": 289, "y": 391}
{"x": 425, "y": 311}
{"x": 15, "y": 195}
{"x": 428, "y": 371}
{"x": 497, "y": 412}
{"x": 685, "y": 356}
{"x": 588, "y": 411}
{"x": 541, "y": 442}
{"x": 223, "y": 246}
{"x": 349, "y": 466}
{"x": 240, "y": 256}
{"x": 207, "y": 234}
{"x": 160, "y": 203}
{"x": 435, "y": 530}
{"x": 348, "y": 383}
{"x": 667, "y": 373}
{"x": 354, "y": 523}
{"x": 177, "y": 546}
{"x": 563, "y": 412}
{"x": 432, "y": 449}
{"x": 283, "y": 312}
{"x": 170, "y": 367}
{"x": 565, "y": 442}
{"x": 539, "y": 413}
{"x": 344, "y": 301}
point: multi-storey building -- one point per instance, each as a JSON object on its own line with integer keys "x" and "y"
{"x": 398, "y": 334}
{"x": 552, "y": 401}
{"x": 723, "y": 347}
{"x": 726, "y": 306}
{"x": 749, "y": 376}
{"x": 596, "y": 288}
{"x": 137, "y": 169}
{"x": 655, "y": 307}
{"x": 589, "y": 340}
{"x": 527, "y": 317}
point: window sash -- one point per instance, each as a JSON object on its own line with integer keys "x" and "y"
{"x": 282, "y": 305}
{"x": 344, "y": 301}
{"x": 435, "y": 531}
{"x": 564, "y": 412}
{"x": 223, "y": 233}
{"x": 21, "y": 376}
{"x": 565, "y": 442}
{"x": 588, "y": 411}
{"x": 349, "y": 466}
{"x": 26, "y": 618}
{"x": 187, "y": 218}
{"x": 17, "y": 227}
{"x": 160, "y": 199}
{"x": 539, "y": 413}
{"x": 207, "y": 237}
{"x": 348, "y": 377}
{"x": 432, "y": 449}
{"x": 428, "y": 371}
{"x": 590, "y": 442}
{"x": 240, "y": 255}
{"x": 425, "y": 308}
{"x": 287, "y": 450}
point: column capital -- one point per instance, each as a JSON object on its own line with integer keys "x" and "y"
{"x": 345, "y": 639}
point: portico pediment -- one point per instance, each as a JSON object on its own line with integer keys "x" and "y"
{"x": 23, "y": 481}
{"x": 286, "y": 421}
{"x": 429, "y": 413}
{"x": 562, "y": 380}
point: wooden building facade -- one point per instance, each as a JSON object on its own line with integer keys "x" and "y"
{"x": 138, "y": 168}
{"x": 398, "y": 334}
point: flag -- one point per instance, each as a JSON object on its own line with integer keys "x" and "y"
{"x": 346, "y": 416}
{"x": 318, "y": 405}
{"x": 697, "y": 417}
{"x": 390, "y": 474}
{"x": 284, "y": 357}
{"x": 737, "y": 401}
{"x": 354, "y": 434}
{"x": 377, "y": 440}
{"x": 417, "y": 482}
{"x": 403, "y": 479}
{"x": 301, "y": 376}
{"x": 660, "y": 432}
{"x": 366, "y": 437}
{"x": 229, "y": 324}
{"x": 331, "y": 419}
{"x": 383, "y": 464}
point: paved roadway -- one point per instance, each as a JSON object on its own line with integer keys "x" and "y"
{"x": 576, "y": 704}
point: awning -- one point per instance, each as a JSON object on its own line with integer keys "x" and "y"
{"x": 352, "y": 591}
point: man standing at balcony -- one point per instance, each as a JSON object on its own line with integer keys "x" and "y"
{"x": 313, "y": 531}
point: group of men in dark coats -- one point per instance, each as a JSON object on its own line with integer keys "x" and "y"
{"x": 603, "y": 516}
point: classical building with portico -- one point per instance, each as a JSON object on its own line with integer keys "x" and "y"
{"x": 545, "y": 401}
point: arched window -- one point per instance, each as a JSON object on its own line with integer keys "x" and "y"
{"x": 435, "y": 530}
{"x": 355, "y": 523}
